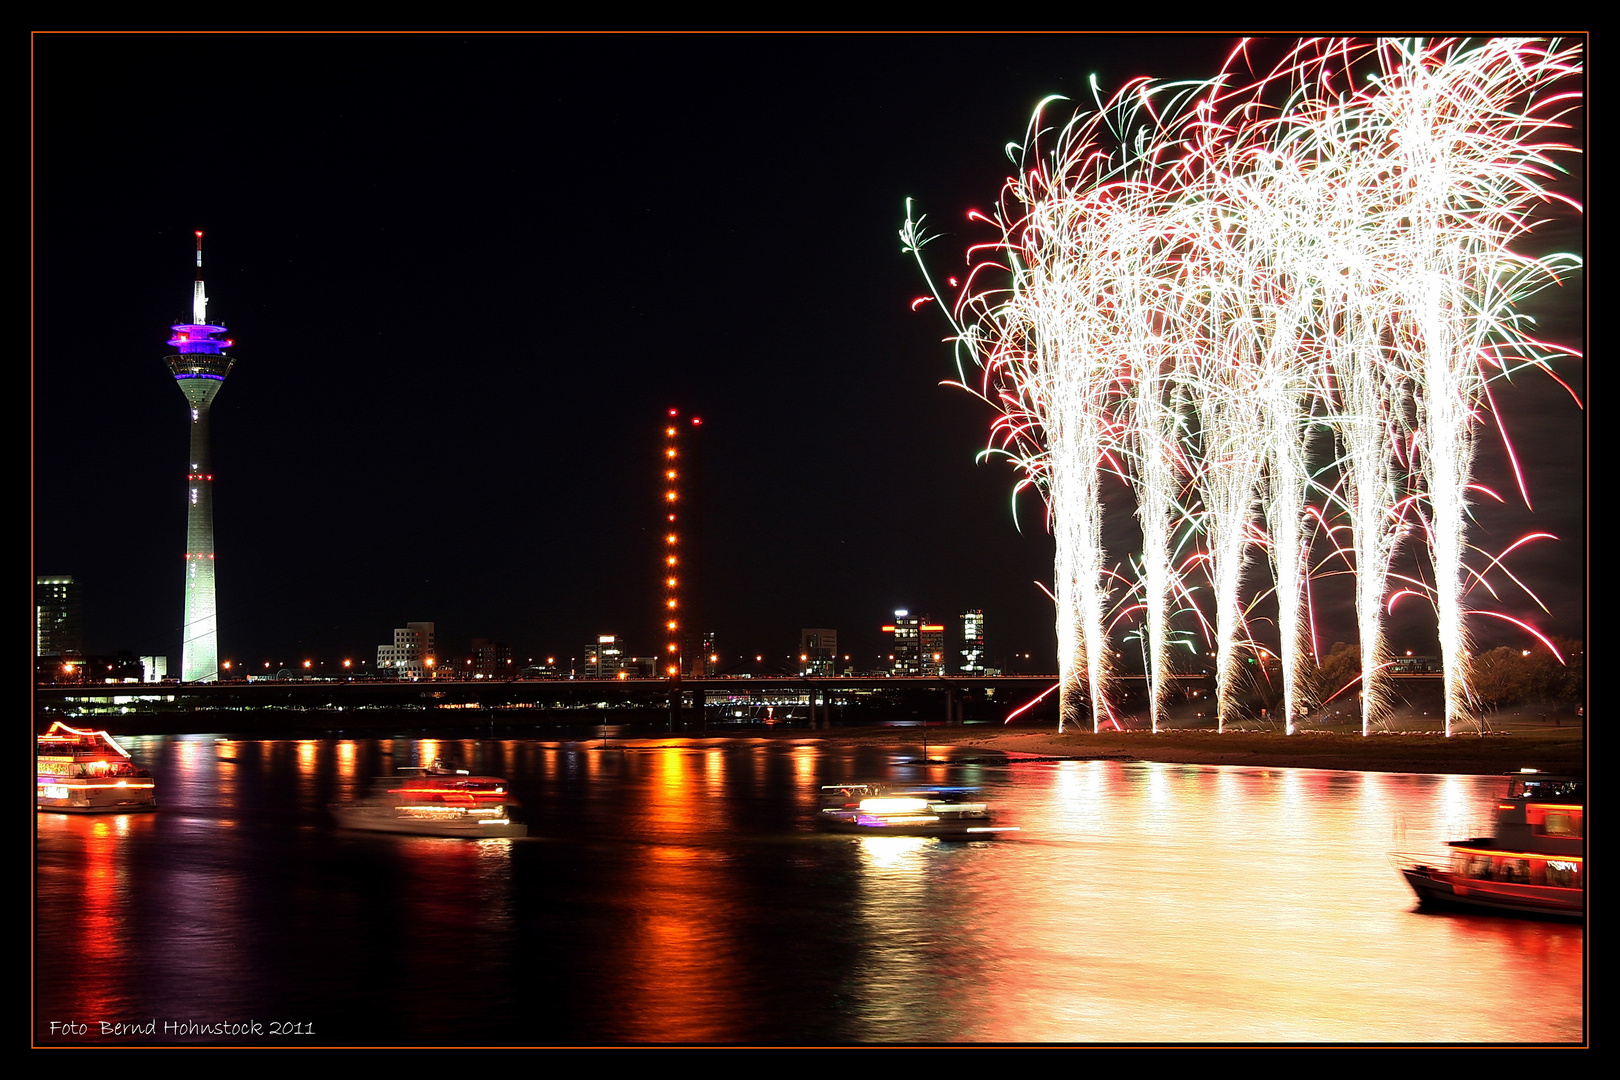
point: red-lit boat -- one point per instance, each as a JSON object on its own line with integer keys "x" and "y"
{"x": 439, "y": 801}
{"x": 876, "y": 810}
{"x": 87, "y": 772}
{"x": 1535, "y": 864}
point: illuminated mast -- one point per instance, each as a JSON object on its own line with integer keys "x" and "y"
{"x": 199, "y": 365}
{"x": 683, "y": 645}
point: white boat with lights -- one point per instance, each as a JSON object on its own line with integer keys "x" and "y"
{"x": 1534, "y": 864}
{"x": 87, "y": 772}
{"x": 879, "y": 810}
{"x": 437, "y": 801}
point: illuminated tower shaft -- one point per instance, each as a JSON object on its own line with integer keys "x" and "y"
{"x": 199, "y": 365}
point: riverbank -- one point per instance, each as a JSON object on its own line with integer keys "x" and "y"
{"x": 1512, "y": 743}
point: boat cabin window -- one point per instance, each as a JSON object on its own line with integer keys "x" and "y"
{"x": 1564, "y": 872}
{"x": 1556, "y": 820}
{"x": 1549, "y": 788}
{"x": 1514, "y": 870}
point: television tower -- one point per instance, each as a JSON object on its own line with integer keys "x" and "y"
{"x": 199, "y": 365}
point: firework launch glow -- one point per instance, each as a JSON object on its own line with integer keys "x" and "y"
{"x": 1277, "y": 307}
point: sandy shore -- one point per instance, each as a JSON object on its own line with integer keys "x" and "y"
{"x": 1512, "y": 745}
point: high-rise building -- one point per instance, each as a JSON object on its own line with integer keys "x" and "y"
{"x": 905, "y": 646}
{"x": 199, "y": 365}
{"x": 973, "y": 642}
{"x": 818, "y": 652}
{"x": 411, "y": 656}
{"x": 58, "y": 626}
{"x": 919, "y": 645}
{"x": 682, "y": 610}
{"x": 605, "y": 659}
{"x": 931, "y": 640}
{"x": 491, "y": 659}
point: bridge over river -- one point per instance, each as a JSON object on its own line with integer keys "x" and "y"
{"x": 691, "y": 704}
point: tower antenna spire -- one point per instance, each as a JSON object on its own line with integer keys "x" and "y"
{"x": 199, "y": 300}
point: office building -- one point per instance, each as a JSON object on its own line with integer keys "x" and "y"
{"x": 491, "y": 659}
{"x": 918, "y": 645}
{"x": 411, "y": 656}
{"x": 58, "y": 620}
{"x": 818, "y": 652}
{"x": 972, "y": 642}
{"x": 605, "y": 659}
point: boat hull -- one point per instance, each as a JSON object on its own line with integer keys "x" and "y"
{"x": 1444, "y": 889}
{"x": 949, "y": 832}
{"x": 94, "y": 803}
{"x": 391, "y": 820}
{"x": 978, "y": 828}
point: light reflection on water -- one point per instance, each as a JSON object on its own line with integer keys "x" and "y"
{"x": 680, "y": 894}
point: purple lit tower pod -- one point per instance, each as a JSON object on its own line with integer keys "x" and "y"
{"x": 199, "y": 366}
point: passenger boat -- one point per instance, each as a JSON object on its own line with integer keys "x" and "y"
{"x": 438, "y": 801}
{"x": 878, "y": 810}
{"x": 87, "y": 772}
{"x": 1535, "y": 864}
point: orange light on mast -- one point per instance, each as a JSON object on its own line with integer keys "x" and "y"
{"x": 676, "y": 494}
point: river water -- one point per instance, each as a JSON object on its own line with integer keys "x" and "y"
{"x": 680, "y": 894}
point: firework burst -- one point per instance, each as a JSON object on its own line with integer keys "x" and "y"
{"x": 1206, "y": 287}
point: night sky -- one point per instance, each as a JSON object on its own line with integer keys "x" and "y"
{"x": 467, "y": 275}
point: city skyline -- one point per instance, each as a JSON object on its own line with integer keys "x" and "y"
{"x": 458, "y": 324}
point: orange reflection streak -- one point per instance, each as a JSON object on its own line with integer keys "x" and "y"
{"x": 677, "y": 966}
